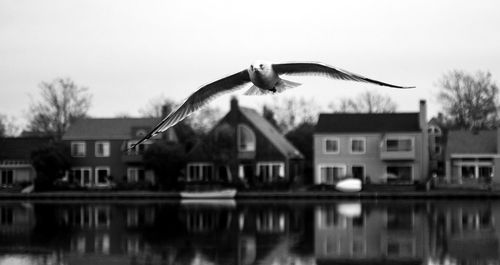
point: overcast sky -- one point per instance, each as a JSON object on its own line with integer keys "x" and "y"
{"x": 127, "y": 52}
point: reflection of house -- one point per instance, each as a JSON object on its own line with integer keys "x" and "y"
{"x": 15, "y": 159}
{"x": 472, "y": 157}
{"x": 16, "y": 219}
{"x": 467, "y": 232}
{"x": 245, "y": 145}
{"x": 388, "y": 232}
{"x": 386, "y": 147}
{"x": 97, "y": 150}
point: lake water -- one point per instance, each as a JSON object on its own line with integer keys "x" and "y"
{"x": 250, "y": 232}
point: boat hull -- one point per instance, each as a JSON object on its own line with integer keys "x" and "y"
{"x": 219, "y": 194}
{"x": 349, "y": 185}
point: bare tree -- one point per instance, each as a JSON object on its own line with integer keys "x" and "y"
{"x": 155, "y": 107}
{"x": 291, "y": 112}
{"x": 3, "y": 126}
{"x": 8, "y": 126}
{"x": 470, "y": 101}
{"x": 61, "y": 103}
{"x": 366, "y": 102}
{"x": 201, "y": 121}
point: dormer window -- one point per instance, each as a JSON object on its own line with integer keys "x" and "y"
{"x": 140, "y": 133}
{"x": 246, "y": 139}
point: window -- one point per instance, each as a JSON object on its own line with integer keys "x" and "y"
{"x": 199, "y": 172}
{"x": 330, "y": 174}
{"x": 399, "y": 144}
{"x": 6, "y": 216}
{"x": 358, "y": 172}
{"x": 331, "y": 146}
{"x": 78, "y": 149}
{"x": 358, "y": 145}
{"x": 102, "y": 149}
{"x": 246, "y": 138}
{"x": 400, "y": 247}
{"x": 135, "y": 174}
{"x": 399, "y": 173}
{"x": 82, "y": 176}
{"x": 269, "y": 172}
{"x": 138, "y": 149}
{"x": 400, "y": 219}
{"x": 102, "y": 174}
{"x": 271, "y": 222}
{"x": 358, "y": 246}
{"x": 437, "y": 150}
{"x": 7, "y": 177}
{"x": 434, "y": 130}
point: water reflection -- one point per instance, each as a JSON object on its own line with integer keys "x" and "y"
{"x": 244, "y": 233}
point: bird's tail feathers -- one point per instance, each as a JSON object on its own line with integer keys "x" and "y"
{"x": 284, "y": 84}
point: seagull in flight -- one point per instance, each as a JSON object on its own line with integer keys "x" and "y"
{"x": 266, "y": 79}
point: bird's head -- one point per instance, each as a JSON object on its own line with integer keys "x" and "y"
{"x": 259, "y": 66}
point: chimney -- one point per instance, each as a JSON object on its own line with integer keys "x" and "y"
{"x": 440, "y": 118}
{"x": 234, "y": 103}
{"x": 165, "y": 110}
{"x": 423, "y": 115}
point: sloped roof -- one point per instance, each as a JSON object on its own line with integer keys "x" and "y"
{"x": 367, "y": 122}
{"x": 20, "y": 148}
{"x": 107, "y": 128}
{"x": 467, "y": 142}
{"x": 275, "y": 137}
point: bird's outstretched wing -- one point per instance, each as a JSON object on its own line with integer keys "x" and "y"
{"x": 199, "y": 98}
{"x": 311, "y": 68}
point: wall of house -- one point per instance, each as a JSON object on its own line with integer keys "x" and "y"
{"x": 375, "y": 168}
{"x": 116, "y": 161}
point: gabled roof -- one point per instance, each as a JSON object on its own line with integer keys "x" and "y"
{"x": 367, "y": 122}
{"x": 107, "y": 128}
{"x": 20, "y": 148}
{"x": 275, "y": 137}
{"x": 467, "y": 142}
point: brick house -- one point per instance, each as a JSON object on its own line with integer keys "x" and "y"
{"x": 97, "y": 146}
{"x": 245, "y": 146}
{"x": 376, "y": 148}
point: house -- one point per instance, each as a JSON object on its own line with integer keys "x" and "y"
{"x": 437, "y": 142}
{"x": 97, "y": 150}
{"x": 15, "y": 159}
{"x": 374, "y": 147}
{"x": 244, "y": 147}
{"x": 472, "y": 156}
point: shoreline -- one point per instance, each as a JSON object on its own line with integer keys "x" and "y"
{"x": 264, "y": 195}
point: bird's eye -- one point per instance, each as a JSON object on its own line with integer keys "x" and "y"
{"x": 261, "y": 66}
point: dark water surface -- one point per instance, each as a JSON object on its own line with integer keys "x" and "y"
{"x": 250, "y": 232}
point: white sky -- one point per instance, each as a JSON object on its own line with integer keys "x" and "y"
{"x": 128, "y": 52}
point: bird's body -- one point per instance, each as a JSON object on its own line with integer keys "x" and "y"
{"x": 262, "y": 76}
{"x": 266, "y": 79}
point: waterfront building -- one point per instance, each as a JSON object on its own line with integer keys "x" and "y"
{"x": 245, "y": 148}
{"x": 374, "y": 147}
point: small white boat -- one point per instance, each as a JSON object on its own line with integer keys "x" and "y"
{"x": 209, "y": 194}
{"x": 349, "y": 185}
{"x": 216, "y": 203}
